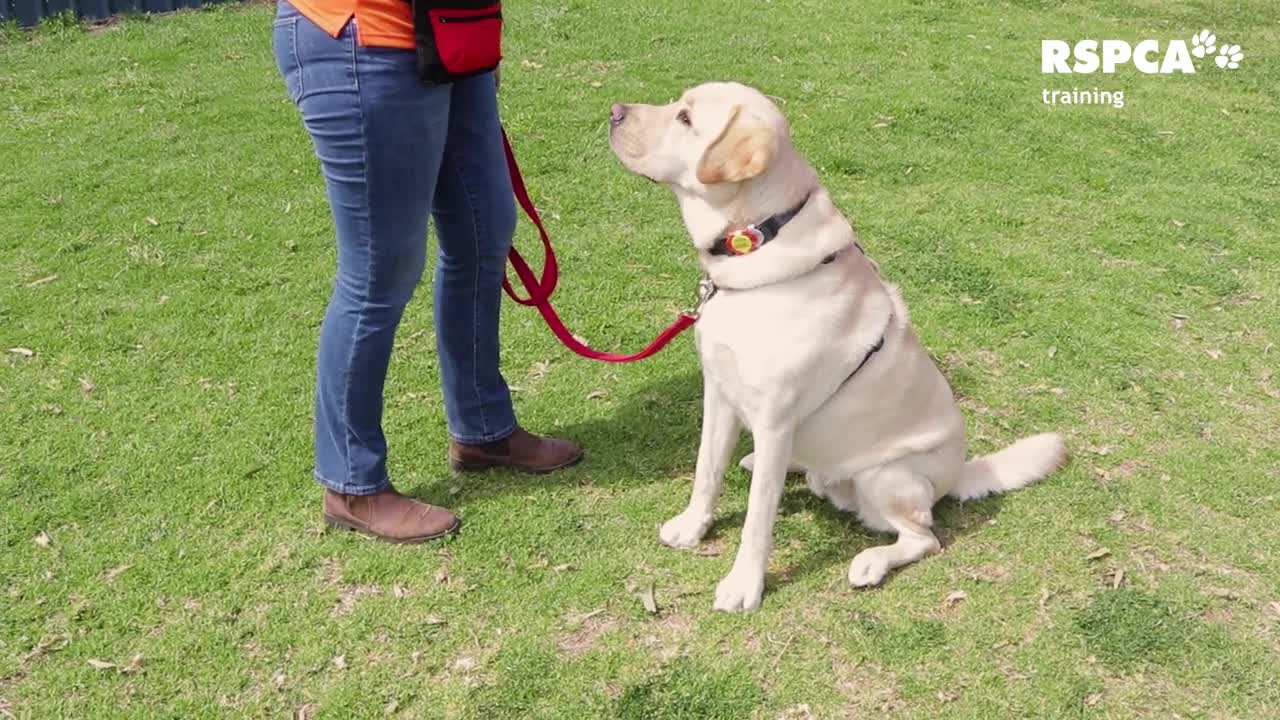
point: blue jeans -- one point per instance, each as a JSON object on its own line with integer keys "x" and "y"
{"x": 395, "y": 151}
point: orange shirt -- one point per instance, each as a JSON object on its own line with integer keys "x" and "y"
{"x": 379, "y": 23}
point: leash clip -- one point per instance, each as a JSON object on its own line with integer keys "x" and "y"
{"x": 706, "y": 289}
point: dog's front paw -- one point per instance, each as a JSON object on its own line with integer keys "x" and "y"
{"x": 868, "y": 567}
{"x": 684, "y": 530}
{"x": 739, "y": 591}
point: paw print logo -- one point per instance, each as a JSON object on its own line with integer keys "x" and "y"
{"x": 1202, "y": 43}
{"x": 1229, "y": 56}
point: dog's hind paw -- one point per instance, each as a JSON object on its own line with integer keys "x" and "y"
{"x": 739, "y": 592}
{"x": 684, "y": 530}
{"x": 868, "y": 567}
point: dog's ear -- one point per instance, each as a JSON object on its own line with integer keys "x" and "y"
{"x": 742, "y": 151}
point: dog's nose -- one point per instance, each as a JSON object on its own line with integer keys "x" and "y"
{"x": 617, "y": 114}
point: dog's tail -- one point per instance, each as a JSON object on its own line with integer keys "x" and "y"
{"x": 1022, "y": 463}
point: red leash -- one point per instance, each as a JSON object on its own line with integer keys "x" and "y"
{"x": 540, "y": 289}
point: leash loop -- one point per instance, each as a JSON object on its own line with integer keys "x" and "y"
{"x": 540, "y": 288}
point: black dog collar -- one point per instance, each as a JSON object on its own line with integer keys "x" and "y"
{"x": 746, "y": 240}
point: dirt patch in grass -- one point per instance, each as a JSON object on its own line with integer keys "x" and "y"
{"x": 1142, "y": 695}
{"x": 349, "y": 596}
{"x": 584, "y": 632}
{"x": 870, "y": 690}
{"x": 665, "y": 636}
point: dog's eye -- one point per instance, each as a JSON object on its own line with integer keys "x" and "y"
{"x": 683, "y": 117}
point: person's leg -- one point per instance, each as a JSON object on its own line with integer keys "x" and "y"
{"x": 379, "y": 135}
{"x": 475, "y": 217}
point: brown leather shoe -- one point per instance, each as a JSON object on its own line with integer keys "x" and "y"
{"x": 521, "y": 451}
{"x": 388, "y": 515}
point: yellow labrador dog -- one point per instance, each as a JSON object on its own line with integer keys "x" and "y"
{"x": 804, "y": 344}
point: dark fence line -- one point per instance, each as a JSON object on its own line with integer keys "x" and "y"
{"x": 29, "y": 12}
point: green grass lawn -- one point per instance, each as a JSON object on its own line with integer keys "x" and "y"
{"x": 1113, "y": 274}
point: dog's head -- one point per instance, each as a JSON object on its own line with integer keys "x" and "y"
{"x": 714, "y": 134}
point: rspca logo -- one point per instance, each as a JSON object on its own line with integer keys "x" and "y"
{"x": 1148, "y": 56}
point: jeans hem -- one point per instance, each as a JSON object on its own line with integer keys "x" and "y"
{"x": 488, "y": 438}
{"x": 349, "y": 488}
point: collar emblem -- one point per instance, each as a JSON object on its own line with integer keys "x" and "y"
{"x": 743, "y": 240}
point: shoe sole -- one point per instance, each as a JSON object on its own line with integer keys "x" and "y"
{"x": 475, "y": 467}
{"x": 339, "y": 524}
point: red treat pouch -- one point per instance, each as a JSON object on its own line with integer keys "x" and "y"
{"x": 456, "y": 39}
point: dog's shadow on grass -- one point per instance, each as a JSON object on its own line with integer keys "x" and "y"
{"x": 653, "y": 435}
{"x": 648, "y": 436}
{"x": 836, "y": 536}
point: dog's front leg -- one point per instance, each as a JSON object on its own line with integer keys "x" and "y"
{"x": 720, "y": 430}
{"x": 742, "y": 588}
